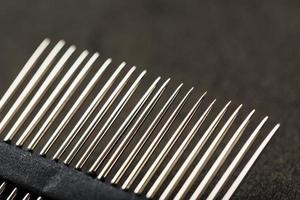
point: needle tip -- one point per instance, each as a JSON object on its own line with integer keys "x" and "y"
{"x": 62, "y": 42}
{"x": 72, "y": 47}
{"x": 46, "y": 40}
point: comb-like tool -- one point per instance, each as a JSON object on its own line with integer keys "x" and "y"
{"x": 145, "y": 137}
{"x": 75, "y": 108}
{"x": 108, "y": 123}
{"x": 167, "y": 170}
{"x": 101, "y": 125}
{"x": 119, "y": 150}
{"x": 145, "y": 180}
{"x": 103, "y": 131}
{"x": 138, "y": 167}
{"x": 40, "y": 93}
{"x": 63, "y": 101}
{"x": 94, "y": 105}
{"x": 54, "y": 95}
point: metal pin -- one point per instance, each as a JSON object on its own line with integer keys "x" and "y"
{"x": 102, "y": 132}
{"x": 26, "y": 197}
{"x": 220, "y": 160}
{"x": 169, "y": 167}
{"x": 2, "y": 188}
{"x": 248, "y": 166}
{"x": 75, "y": 107}
{"x": 192, "y": 156}
{"x": 127, "y": 139}
{"x": 62, "y": 102}
{"x": 137, "y": 169}
{"x": 213, "y": 146}
{"x": 39, "y": 94}
{"x": 108, "y": 123}
{"x": 93, "y": 107}
{"x": 13, "y": 194}
{"x": 23, "y": 73}
{"x": 236, "y": 161}
{"x": 49, "y": 102}
{"x": 31, "y": 85}
{"x": 209, "y": 152}
{"x": 145, "y": 137}
{"x": 163, "y": 154}
{"x": 39, "y": 198}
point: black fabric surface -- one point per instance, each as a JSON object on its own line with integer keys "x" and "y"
{"x": 52, "y": 180}
{"x": 247, "y": 51}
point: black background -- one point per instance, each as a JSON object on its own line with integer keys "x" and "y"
{"x": 247, "y": 51}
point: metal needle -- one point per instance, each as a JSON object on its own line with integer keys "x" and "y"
{"x": 93, "y": 107}
{"x": 169, "y": 167}
{"x": 31, "y": 85}
{"x": 13, "y": 194}
{"x": 213, "y": 146}
{"x": 2, "y": 188}
{"x": 26, "y": 197}
{"x": 24, "y": 73}
{"x": 107, "y": 124}
{"x": 220, "y": 160}
{"x": 236, "y": 161}
{"x": 137, "y": 169}
{"x": 126, "y": 140}
{"x": 49, "y": 102}
{"x": 192, "y": 156}
{"x": 248, "y": 166}
{"x": 75, "y": 107}
{"x": 62, "y": 102}
{"x": 130, "y": 117}
{"x": 39, "y": 94}
{"x": 145, "y": 137}
{"x": 163, "y": 154}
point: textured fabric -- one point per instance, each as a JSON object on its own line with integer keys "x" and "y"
{"x": 52, "y": 180}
